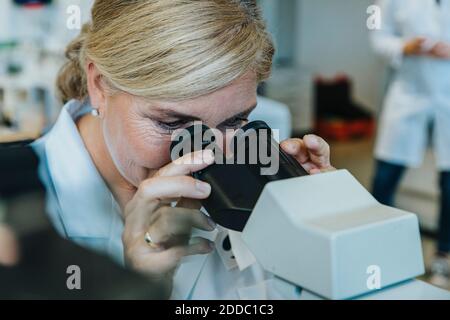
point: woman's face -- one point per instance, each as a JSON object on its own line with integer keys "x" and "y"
{"x": 138, "y": 132}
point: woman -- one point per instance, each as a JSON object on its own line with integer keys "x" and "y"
{"x": 415, "y": 37}
{"x": 140, "y": 71}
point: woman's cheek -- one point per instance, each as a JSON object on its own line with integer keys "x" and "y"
{"x": 130, "y": 153}
{"x": 145, "y": 151}
{"x": 152, "y": 156}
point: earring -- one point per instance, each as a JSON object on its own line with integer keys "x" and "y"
{"x": 95, "y": 113}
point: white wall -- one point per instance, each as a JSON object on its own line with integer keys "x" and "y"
{"x": 333, "y": 37}
{"x": 322, "y": 37}
{"x": 5, "y": 8}
{"x": 280, "y": 17}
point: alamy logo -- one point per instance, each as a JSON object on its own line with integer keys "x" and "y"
{"x": 374, "y": 20}
{"x": 73, "y": 17}
{"x": 74, "y": 280}
{"x": 374, "y": 280}
{"x": 257, "y": 148}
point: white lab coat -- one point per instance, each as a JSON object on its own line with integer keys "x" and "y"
{"x": 83, "y": 209}
{"x": 420, "y": 90}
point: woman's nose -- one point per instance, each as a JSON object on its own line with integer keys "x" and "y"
{"x": 227, "y": 139}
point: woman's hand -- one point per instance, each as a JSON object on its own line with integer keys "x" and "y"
{"x": 150, "y": 211}
{"x": 312, "y": 152}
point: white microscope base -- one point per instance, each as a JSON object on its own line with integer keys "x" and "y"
{"x": 337, "y": 233}
{"x": 409, "y": 290}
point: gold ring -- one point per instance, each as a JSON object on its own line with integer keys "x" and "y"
{"x": 150, "y": 242}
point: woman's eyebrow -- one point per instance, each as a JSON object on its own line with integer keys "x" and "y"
{"x": 180, "y": 116}
{"x": 188, "y": 117}
{"x": 242, "y": 114}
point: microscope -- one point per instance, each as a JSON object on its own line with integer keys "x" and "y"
{"x": 325, "y": 233}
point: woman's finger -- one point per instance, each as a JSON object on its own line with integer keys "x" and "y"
{"x": 174, "y": 255}
{"x": 189, "y": 203}
{"x": 296, "y": 148}
{"x": 313, "y": 153}
{"x": 318, "y": 150}
{"x": 162, "y": 261}
{"x": 168, "y": 187}
{"x": 310, "y": 166}
{"x": 316, "y": 145}
{"x": 153, "y": 193}
{"x": 311, "y": 148}
{"x": 188, "y": 164}
{"x": 171, "y": 223}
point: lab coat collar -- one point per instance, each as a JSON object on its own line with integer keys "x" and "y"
{"x": 81, "y": 191}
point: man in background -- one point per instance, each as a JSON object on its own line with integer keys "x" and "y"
{"x": 415, "y": 39}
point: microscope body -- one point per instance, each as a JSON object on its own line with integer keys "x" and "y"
{"x": 325, "y": 232}
{"x": 328, "y": 234}
{"x": 238, "y": 180}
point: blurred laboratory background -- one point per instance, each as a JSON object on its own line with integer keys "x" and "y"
{"x": 326, "y": 76}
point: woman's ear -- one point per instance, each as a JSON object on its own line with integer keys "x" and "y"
{"x": 97, "y": 92}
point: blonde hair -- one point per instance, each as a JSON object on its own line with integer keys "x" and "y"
{"x": 168, "y": 49}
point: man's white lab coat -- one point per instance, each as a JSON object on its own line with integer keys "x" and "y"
{"x": 420, "y": 91}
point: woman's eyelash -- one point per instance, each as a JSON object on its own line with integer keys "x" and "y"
{"x": 236, "y": 122}
{"x": 171, "y": 126}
